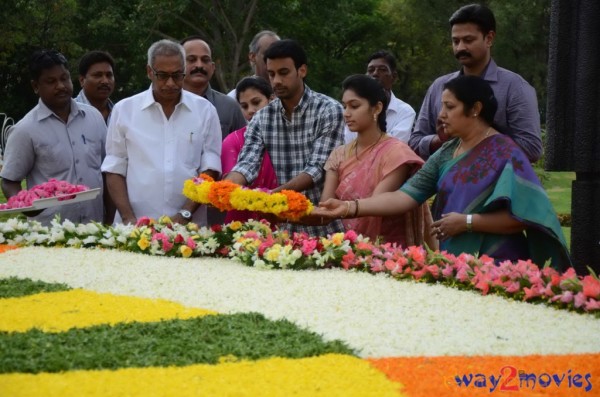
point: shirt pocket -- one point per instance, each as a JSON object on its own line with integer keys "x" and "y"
{"x": 192, "y": 150}
{"x": 93, "y": 151}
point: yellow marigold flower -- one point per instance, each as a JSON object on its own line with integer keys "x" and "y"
{"x": 272, "y": 254}
{"x": 143, "y": 243}
{"x": 235, "y": 225}
{"x": 165, "y": 220}
{"x": 185, "y": 251}
{"x": 327, "y": 375}
{"x": 61, "y": 311}
{"x": 337, "y": 239}
{"x": 193, "y": 227}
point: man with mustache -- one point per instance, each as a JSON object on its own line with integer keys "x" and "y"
{"x": 473, "y": 29}
{"x": 97, "y": 80}
{"x": 59, "y": 138}
{"x": 199, "y": 70}
{"x": 298, "y": 130}
{"x": 157, "y": 140}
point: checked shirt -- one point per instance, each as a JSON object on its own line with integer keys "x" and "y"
{"x": 300, "y": 144}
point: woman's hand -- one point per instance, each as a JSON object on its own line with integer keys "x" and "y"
{"x": 331, "y": 208}
{"x": 450, "y": 225}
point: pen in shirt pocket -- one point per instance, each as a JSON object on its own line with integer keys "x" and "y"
{"x": 191, "y": 136}
{"x": 83, "y": 138}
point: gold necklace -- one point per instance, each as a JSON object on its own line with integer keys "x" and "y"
{"x": 368, "y": 148}
{"x": 461, "y": 142}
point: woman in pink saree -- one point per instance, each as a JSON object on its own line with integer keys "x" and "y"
{"x": 372, "y": 164}
{"x": 253, "y": 93}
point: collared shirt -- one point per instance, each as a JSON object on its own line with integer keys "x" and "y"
{"x": 300, "y": 144}
{"x": 156, "y": 155}
{"x": 228, "y": 109}
{"x": 399, "y": 119}
{"x": 517, "y": 116}
{"x": 81, "y": 98}
{"x": 42, "y": 146}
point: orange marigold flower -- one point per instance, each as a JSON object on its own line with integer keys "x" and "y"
{"x": 298, "y": 205}
{"x": 219, "y": 194}
{"x": 206, "y": 177}
{"x": 6, "y": 247}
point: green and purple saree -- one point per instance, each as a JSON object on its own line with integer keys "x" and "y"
{"x": 492, "y": 176}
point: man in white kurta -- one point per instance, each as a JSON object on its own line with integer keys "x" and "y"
{"x": 159, "y": 138}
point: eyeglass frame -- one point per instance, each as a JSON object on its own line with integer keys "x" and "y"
{"x": 177, "y": 77}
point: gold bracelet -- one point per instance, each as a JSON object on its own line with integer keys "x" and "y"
{"x": 347, "y": 209}
{"x": 356, "y": 210}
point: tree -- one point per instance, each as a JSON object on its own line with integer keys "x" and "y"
{"x": 29, "y": 25}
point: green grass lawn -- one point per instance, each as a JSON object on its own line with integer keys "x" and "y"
{"x": 558, "y": 186}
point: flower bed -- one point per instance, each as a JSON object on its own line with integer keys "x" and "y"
{"x": 255, "y": 244}
{"x": 427, "y": 339}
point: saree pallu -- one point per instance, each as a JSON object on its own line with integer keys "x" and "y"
{"x": 496, "y": 175}
{"x": 358, "y": 178}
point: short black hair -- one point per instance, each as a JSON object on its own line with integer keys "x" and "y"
{"x": 370, "y": 89}
{"x": 45, "y": 59}
{"x": 389, "y": 58}
{"x": 472, "y": 89}
{"x": 256, "y": 82}
{"x": 287, "y": 48}
{"x": 478, "y": 14}
{"x": 93, "y": 57}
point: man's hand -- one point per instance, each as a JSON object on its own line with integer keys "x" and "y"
{"x": 178, "y": 218}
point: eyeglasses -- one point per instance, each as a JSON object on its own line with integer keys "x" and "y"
{"x": 164, "y": 76}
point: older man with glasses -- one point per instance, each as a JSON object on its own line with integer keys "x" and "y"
{"x": 159, "y": 138}
{"x": 399, "y": 115}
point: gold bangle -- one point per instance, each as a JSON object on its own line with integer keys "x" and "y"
{"x": 347, "y": 209}
{"x": 356, "y": 210}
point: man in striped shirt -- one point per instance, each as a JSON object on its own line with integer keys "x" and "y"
{"x": 298, "y": 129}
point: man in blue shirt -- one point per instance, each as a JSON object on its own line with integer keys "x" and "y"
{"x": 473, "y": 32}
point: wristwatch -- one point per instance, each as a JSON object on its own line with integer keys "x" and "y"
{"x": 187, "y": 215}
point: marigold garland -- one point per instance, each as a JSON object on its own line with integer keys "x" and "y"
{"x": 226, "y": 195}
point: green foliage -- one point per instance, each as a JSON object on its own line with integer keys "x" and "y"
{"x": 15, "y": 287}
{"x": 200, "y": 340}
{"x": 338, "y": 37}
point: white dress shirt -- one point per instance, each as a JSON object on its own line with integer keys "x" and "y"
{"x": 399, "y": 119}
{"x": 156, "y": 155}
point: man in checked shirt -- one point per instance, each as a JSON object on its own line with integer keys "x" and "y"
{"x": 298, "y": 129}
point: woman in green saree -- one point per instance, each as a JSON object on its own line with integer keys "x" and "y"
{"x": 488, "y": 197}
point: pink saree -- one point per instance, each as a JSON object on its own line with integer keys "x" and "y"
{"x": 266, "y": 179}
{"x": 358, "y": 178}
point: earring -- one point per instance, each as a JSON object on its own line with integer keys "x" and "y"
{"x": 474, "y": 114}
{"x": 375, "y": 116}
